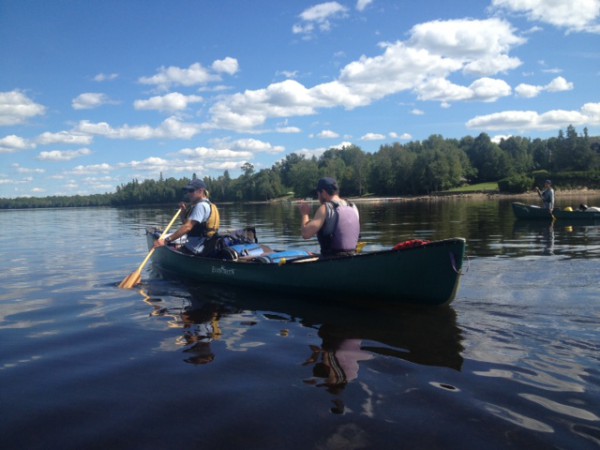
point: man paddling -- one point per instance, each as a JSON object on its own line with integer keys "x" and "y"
{"x": 201, "y": 220}
{"x": 547, "y": 195}
{"x": 335, "y": 223}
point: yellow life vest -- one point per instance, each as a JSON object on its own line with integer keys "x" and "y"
{"x": 211, "y": 226}
{"x": 213, "y": 222}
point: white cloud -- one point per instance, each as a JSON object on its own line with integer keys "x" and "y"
{"x": 26, "y": 170}
{"x": 417, "y": 112}
{"x": 101, "y": 77}
{"x": 256, "y": 146}
{"x": 229, "y": 65}
{"x": 169, "y": 76}
{"x": 362, "y": 4}
{"x": 316, "y": 152}
{"x": 528, "y": 90}
{"x": 13, "y": 143}
{"x": 481, "y": 46}
{"x": 153, "y": 164}
{"x": 172, "y": 102}
{"x": 288, "y": 130}
{"x": 573, "y": 15}
{"x": 483, "y": 89}
{"x": 91, "y": 169}
{"x": 58, "y": 155}
{"x": 499, "y": 138}
{"x": 319, "y": 16}
{"x": 423, "y": 65}
{"x": 559, "y": 84}
{"x": 373, "y": 137}
{"x": 225, "y": 165}
{"x": 327, "y": 134}
{"x": 211, "y": 153}
{"x": 64, "y": 137}
{"x": 226, "y": 154}
{"x": 524, "y": 121}
{"x": 16, "y": 108}
{"x": 90, "y": 100}
{"x": 170, "y": 128}
{"x": 287, "y": 73}
{"x": 243, "y": 111}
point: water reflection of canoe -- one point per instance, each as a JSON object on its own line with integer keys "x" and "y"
{"x": 428, "y": 336}
{"x": 527, "y": 212}
{"x": 424, "y": 275}
{"x": 536, "y": 226}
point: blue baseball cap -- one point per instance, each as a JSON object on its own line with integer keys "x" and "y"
{"x": 195, "y": 185}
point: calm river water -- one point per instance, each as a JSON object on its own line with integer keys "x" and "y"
{"x": 514, "y": 362}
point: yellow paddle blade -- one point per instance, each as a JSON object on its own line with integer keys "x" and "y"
{"x": 360, "y": 246}
{"x": 131, "y": 280}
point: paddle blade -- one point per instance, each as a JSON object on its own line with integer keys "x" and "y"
{"x": 132, "y": 280}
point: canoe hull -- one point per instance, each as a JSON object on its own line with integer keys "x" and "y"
{"x": 528, "y": 212}
{"x": 578, "y": 215}
{"x": 425, "y": 275}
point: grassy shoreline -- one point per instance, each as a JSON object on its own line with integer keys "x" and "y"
{"x": 479, "y": 195}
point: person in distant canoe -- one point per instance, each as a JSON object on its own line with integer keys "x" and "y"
{"x": 547, "y": 195}
{"x": 201, "y": 220}
{"x": 336, "y": 222}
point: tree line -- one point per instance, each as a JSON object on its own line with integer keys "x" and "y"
{"x": 415, "y": 168}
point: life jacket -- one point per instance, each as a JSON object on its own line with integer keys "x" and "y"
{"x": 342, "y": 235}
{"x": 208, "y": 228}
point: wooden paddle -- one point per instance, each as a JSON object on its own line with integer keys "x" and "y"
{"x": 136, "y": 277}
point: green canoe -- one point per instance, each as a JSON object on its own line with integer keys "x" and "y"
{"x": 425, "y": 275}
{"x": 523, "y": 211}
{"x": 577, "y": 215}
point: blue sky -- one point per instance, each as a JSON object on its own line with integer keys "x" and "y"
{"x": 96, "y": 93}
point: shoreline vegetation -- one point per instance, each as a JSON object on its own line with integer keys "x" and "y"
{"x": 434, "y": 168}
{"x": 453, "y": 195}
{"x": 435, "y": 196}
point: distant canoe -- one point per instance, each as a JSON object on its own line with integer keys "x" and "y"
{"x": 523, "y": 211}
{"x": 577, "y": 215}
{"x": 528, "y": 212}
{"x": 426, "y": 275}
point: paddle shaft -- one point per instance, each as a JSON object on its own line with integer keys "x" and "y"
{"x": 162, "y": 236}
{"x": 134, "y": 278}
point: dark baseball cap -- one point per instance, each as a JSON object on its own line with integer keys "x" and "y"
{"x": 195, "y": 185}
{"x": 328, "y": 184}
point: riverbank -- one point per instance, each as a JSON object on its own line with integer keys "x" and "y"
{"x": 573, "y": 194}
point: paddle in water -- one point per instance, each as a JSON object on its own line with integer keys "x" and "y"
{"x": 136, "y": 277}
